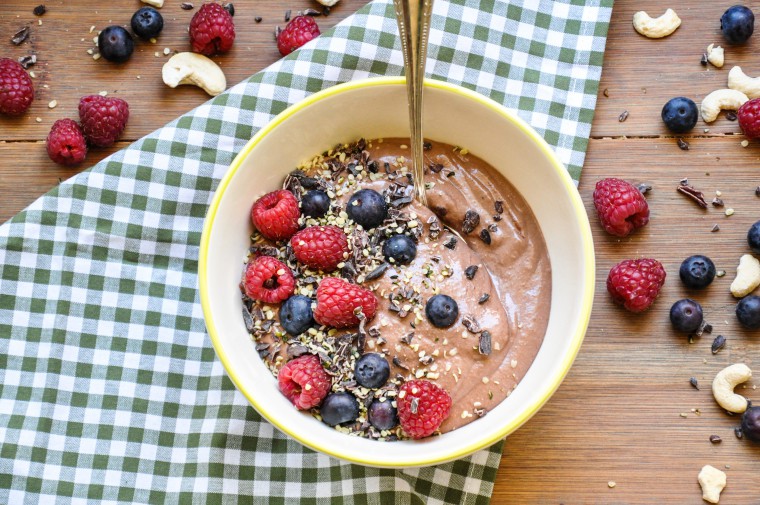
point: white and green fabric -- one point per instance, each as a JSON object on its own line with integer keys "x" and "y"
{"x": 110, "y": 391}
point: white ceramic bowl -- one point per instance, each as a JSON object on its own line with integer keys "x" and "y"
{"x": 375, "y": 108}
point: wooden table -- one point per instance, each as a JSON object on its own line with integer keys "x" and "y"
{"x": 625, "y": 426}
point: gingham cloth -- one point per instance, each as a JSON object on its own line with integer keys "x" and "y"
{"x": 110, "y": 391}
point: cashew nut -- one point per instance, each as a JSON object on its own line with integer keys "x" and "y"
{"x": 196, "y": 69}
{"x": 155, "y": 3}
{"x": 656, "y": 28}
{"x": 721, "y": 99}
{"x": 747, "y": 276}
{"x": 712, "y": 482}
{"x": 715, "y": 55}
{"x": 723, "y": 387}
{"x": 740, "y": 81}
{"x": 328, "y": 3}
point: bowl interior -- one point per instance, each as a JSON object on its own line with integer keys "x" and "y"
{"x": 377, "y": 108}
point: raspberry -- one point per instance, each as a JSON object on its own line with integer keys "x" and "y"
{"x": 268, "y": 280}
{"x": 103, "y": 118}
{"x": 212, "y": 30}
{"x": 298, "y": 32}
{"x": 422, "y": 407}
{"x": 276, "y": 214}
{"x": 337, "y": 299}
{"x": 749, "y": 118}
{"x": 304, "y": 382}
{"x": 320, "y": 247}
{"x": 635, "y": 284}
{"x": 16, "y": 90}
{"x": 65, "y": 143}
{"x": 621, "y": 207}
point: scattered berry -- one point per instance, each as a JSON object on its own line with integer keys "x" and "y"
{"x": 372, "y": 370}
{"x": 295, "y": 314}
{"x": 304, "y": 381}
{"x": 749, "y": 118}
{"x": 320, "y": 247}
{"x": 748, "y": 312}
{"x": 737, "y": 24}
{"x": 621, "y": 206}
{"x": 115, "y": 44}
{"x": 315, "y": 203}
{"x": 16, "y": 90}
{"x": 337, "y": 301}
{"x": 65, "y": 143}
{"x": 268, "y": 280}
{"x": 147, "y": 23}
{"x": 229, "y": 7}
{"x": 422, "y": 407}
{"x": 103, "y": 118}
{"x": 367, "y": 207}
{"x": 382, "y": 415}
{"x": 753, "y": 237}
{"x": 441, "y": 310}
{"x": 635, "y": 284}
{"x": 686, "y": 315}
{"x": 276, "y": 214}
{"x": 401, "y": 249}
{"x": 212, "y": 30}
{"x": 697, "y": 271}
{"x": 680, "y": 114}
{"x": 751, "y": 424}
{"x": 296, "y": 33}
{"x": 339, "y": 408}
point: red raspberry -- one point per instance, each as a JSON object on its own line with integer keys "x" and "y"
{"x": 298, "y": 32}
{"x": 65, "y": 143}
{"x": 422, "y": 407}
{"x": 635, "y": 284}
{"x": 16, "y": 90}
{"x": 621, "y": 207}
{"x": 749, "y": 118}
{"x": 103, "y": 118}
{"x": 212, "y": 30}
{"x": 276, "y": 214}
{"x": 304, "y": 381}
{"x": 337, "y": 299}
{"x": 268, "y": 280}
{"x": 320, "y": 247}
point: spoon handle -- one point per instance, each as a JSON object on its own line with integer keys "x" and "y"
{"x": 413, "y": 18}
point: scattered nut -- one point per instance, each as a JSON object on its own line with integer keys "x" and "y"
{"x": 721, "y": 99}
{"x": 715, "y": 55}
{"x": 747, "y": 276}
{"x": 656, "y": 28}
{"x": 723, "y": 387}
{"x": 712, "y": 482}
{"x": 740, "y": 81}
{"x": 155, "y": 3}
{"x": 328, "y": 3}
{"x": 52, "y": 104}
{"x": 195, "y": 69}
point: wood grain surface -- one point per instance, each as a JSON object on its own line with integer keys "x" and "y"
{"x": 626, "y": 413}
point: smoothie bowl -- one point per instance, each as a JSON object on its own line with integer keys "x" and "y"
{"x": 372, "y": 328}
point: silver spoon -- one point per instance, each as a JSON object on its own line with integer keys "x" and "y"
{"x": 413, "y": 18}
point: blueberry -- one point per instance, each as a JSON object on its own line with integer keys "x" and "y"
{"x": 147, "y": 23}
{"x": 680, "y": 114}
{"x": 372, "y": 370}
{"x": 441, "y": 310}
{"x": 115, "y": 44}
{"x": 753, "y": 237}
{"x": 697, "y": 271}
{"x": 367, "y": 208}
{"x": 315, "y": 203}
{"x": 748, "y": 312}
{"x": 295, "y": 314}
{"x": 400, "y": 248}
{"x": 686, "y": 315}
{"x": 737, "y": 24}
{"x": 382, "y": 415}
{"x": 750, "y": 424}
{"x": 339, "y": 408}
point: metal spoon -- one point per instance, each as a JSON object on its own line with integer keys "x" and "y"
{"x": 413, "y": 18}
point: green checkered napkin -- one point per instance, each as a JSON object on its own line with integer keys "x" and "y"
{"x": 110, "y": 390}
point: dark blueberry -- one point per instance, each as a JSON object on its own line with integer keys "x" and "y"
{"x": 751, "y": 424}
{"x": 315, "y": 203}
{"x": 295, "y": 314}
{"x": 753, "y": 237}
{"x": 697, "y": 271}
{"x": 442, "y": 311}
{"x": 401, "y": 248}
{"x": 372, "y": 370}
{"x": 748, "y": 312}
{"x": 147, "y": 23}
{"x": 680, "y": 114}
{"x": 339, "y": 408}
{"x": 737, "y": 24}
{"x": 367, "y": 208}
{"x": 229, "y": 7}
{"x": 115, "y": 44}
{"x": 686, "y": 315}
{"x": 382, "y": 415}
